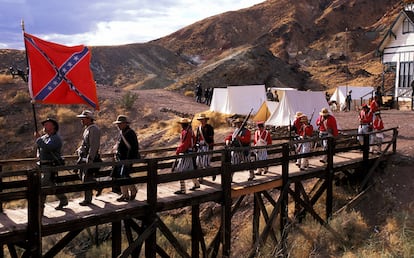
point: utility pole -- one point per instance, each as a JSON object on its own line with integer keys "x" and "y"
{"x": 346, "y": 59}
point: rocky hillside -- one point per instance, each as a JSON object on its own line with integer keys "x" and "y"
{"x": 314, "y": 44}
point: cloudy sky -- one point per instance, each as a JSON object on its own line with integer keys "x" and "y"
{"x": 104, "y": 22}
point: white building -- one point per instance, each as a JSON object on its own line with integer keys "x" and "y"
{"x": 397, "y": 52}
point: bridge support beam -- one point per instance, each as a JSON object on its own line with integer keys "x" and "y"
{"x": 35, "y": 213}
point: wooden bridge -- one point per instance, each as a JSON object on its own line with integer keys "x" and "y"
{"x": 22, "y": 224}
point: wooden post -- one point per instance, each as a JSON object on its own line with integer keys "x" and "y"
{"x": 284, "y": 213}
{"x": 152, "y": 175}
{"x": 34, "y": 214}
{"x": 226, "y": 178}
{"x": 297, "y": 205}
{"x": 116, "y": 238}
{"x": 365, "y": 152}
{"x": 394, "y": 144}
{"x": 1, "y": 188}
{"x": 329, "y": 177}
{"x": 195, "y": 233}
{"x": 256, "y": 217}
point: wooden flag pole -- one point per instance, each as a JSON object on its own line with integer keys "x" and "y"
{"x": 26, "y": 80}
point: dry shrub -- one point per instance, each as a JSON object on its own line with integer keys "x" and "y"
{"x": 128, "y": 99}
{"x": 180, "y": 227}
{"x": 21, "y": 97}
{"x": 2, "y": 122}
{"x": 351, "y": 226}
{"x": 216, "y": 119}
{"x": 175, "y": 127}
{"x": 349, "y": 231}
{"x": 189, "y": 93}
{"x": 6, "y": 79}
{"x": 398, "y": 234}
{"x": 65, "y": 115}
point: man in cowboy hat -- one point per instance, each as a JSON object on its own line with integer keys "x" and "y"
{"x": 127, "y": 148}
{"x": 327, "y": 128}
{"x": 204, "y": 141}
{"x": 296, "y": 122}
{"x": 187, "y": 141}
{"x": 49, "y": 146}
{"x": 88, "y": 152}
{"x": 241, "y": 137}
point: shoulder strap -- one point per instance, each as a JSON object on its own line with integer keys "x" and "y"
{"x": 201, "y": 132}
{"x": 125, "y": 140}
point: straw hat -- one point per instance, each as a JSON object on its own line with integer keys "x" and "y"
{"x": 303, "y": 119}
{"x": 324, "y": 112}
{"x": 260, "y": 123}
{"x": 121, "y": 119}
{"x": 202, "y": 116}
{"x": 298, "y": 114}
{"x": 184, "y": 120}
{"x": 86, "y": 114}
{"x": 237, "y": 120}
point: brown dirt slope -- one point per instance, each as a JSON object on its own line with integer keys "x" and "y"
{"x": 322, "y": 43}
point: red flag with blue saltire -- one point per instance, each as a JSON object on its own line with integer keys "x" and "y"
{"x": 59, "y": 74}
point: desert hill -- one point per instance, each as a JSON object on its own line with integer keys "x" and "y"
{"x": 303, "y": 44}
{"x": 314, "y": 44}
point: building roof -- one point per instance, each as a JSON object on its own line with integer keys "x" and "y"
{"x": 391, "y": 31}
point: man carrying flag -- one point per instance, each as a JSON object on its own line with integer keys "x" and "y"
{"x": 59, "y": 74}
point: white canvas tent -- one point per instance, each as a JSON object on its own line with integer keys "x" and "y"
{"x": 357, "y": 92}
{"x": 265, "y": 111}
{"x": 218, "y": 99}
{"x": 307, "y": 102}
{"x": 280, "y": 91}
{"x": 238, "y": 99}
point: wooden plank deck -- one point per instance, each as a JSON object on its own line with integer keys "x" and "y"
{"x": 14, "y": 221}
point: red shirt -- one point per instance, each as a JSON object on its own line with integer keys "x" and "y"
{"x": 378, "y": 124}
{"x": 262, "y": 134}
{"x": 306, "y": 130}
{"x": 296, "y": 124}
{"x": 365, "y": 117}
{"x": 244, "y": 137}
{"x": 327, "y": 124}
{"x": 373, "y": 107}
{"x": 187, "y": 139}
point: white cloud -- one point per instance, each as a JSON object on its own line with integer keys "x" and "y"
{"x": 95, "y": 22}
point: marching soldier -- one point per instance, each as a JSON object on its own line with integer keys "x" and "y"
{"x": 187, "y": 140}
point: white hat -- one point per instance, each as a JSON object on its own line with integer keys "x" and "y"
{"x": 86, "y": 114}
{"x": 202, "y": 116}
{"x": 184, "y": 120}
{"x": 298, "y": 114}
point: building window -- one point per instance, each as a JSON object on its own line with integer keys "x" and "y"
{"x": 408, "y": 26}
{"x": 406, "y": 74}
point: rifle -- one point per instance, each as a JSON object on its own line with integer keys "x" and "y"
{"x": 233, "y": 143}
{"x": 313, "y": 112}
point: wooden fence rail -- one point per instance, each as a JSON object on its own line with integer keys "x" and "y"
{"x": 24, "y": 184}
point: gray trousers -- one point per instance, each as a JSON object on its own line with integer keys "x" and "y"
{"x": 47, "y": 180}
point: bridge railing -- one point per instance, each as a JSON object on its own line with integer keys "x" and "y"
{"x": 14, "y": 184}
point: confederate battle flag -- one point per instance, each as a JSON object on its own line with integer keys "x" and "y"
{"x": 59, "y": 74}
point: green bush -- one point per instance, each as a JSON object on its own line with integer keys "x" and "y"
{"x": 128, "y": 100}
